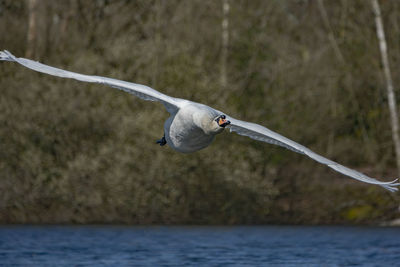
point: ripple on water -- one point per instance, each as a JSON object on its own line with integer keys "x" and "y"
{"x": 197, "y": 246}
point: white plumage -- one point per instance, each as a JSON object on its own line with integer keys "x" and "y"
{"x": 193, "y": 126}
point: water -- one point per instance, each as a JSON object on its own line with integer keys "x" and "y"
{"x": 198, "y": 246}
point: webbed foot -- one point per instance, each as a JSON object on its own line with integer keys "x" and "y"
{"x": 162, "y": 141}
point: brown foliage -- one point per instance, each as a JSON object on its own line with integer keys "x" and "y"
{"x": 82, "y": 153}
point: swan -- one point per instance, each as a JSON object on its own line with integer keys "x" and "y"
{"x": 193, "y": 126}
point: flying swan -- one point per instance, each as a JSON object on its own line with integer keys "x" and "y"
{"x": 192, "y": 126}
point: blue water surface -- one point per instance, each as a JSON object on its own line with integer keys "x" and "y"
{"x": 199, "y": 246}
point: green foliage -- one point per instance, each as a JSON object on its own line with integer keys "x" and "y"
{"x": 358, "y": 213}
{"x": 84, "y": 153}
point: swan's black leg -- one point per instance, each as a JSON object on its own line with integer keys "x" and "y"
{"x": 162, "y": 141}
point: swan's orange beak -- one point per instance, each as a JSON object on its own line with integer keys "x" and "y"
{"x": 223, "y": 121}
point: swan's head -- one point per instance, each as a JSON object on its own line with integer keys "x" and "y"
{"x": 214, "y": 123}
{"x": 221, "y": 121}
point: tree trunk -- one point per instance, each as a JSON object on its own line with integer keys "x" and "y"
{"x": 389, "y": 83}
{"x": 225, "y": 41}
{"x": 32, "y": 29}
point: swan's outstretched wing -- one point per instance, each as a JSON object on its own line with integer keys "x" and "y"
{"x": 142, "y": 91}
{"x": 260, "y": 133}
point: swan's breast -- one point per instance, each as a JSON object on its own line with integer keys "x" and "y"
{"x": 186, "y": 131}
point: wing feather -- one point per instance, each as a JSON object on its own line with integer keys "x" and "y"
{"x": 260, "y": 133}
{"x": 144, "y": 92}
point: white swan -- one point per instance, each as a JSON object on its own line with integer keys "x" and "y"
{"x": 193, "y": 126}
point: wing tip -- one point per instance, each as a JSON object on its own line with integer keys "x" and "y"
{"x": 391, "y": 186}
{"x": 6, "y": 56}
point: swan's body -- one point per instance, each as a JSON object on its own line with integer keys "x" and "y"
{"x": 193, "y": 126}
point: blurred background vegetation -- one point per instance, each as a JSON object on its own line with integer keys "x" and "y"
{"x": 73, "y": 152}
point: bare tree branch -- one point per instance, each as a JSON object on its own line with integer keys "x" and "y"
{"x": 327, "y": 25}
